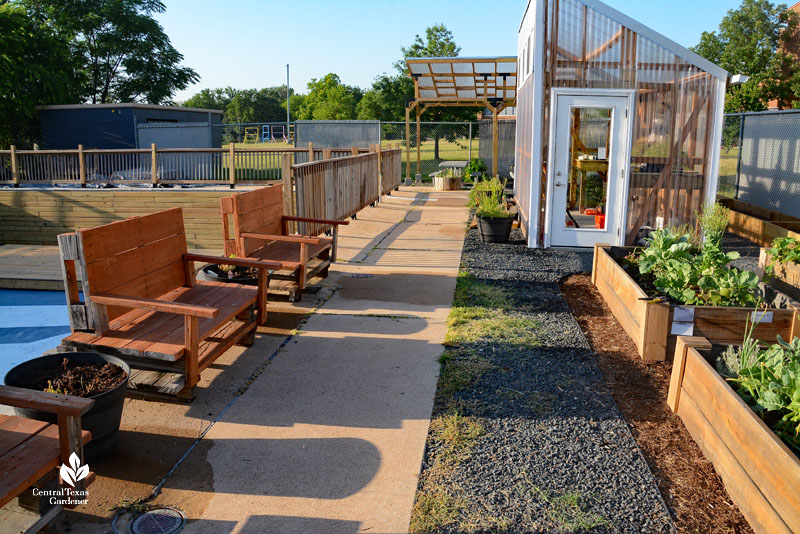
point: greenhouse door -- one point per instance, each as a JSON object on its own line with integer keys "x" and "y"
{"x": 588, "y": 173}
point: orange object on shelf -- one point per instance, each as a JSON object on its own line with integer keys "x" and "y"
{"x": 600, "y": 221}
{"x": 591, "y": 211}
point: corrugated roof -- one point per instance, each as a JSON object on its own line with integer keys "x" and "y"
{"x": 127, "y": 105}
{"x": 465, "y": 78}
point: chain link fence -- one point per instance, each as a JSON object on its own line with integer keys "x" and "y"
{"x": 439, "y": 141}
{"x": 760, "y": 161}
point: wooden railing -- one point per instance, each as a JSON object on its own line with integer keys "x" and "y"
{"x": 337, "y": 188}
{"x": 229, "y": 165}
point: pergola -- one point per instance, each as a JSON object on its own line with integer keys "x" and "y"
{"x": 490, "y": 82}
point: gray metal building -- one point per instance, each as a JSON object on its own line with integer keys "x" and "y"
{"x": 118, "y": 126}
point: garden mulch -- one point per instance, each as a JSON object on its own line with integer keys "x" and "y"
{"x": 555, "y": 454}
{"x": 693, "y": 491}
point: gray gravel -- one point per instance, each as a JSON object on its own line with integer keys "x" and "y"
{"x": 748, "y": 250}
{"x": 552, "y": 428}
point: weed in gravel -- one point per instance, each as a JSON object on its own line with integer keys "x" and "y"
{"x": 435, "y": 506}
{"x": 571, "y": 513}
{"x": 459, "y": 373}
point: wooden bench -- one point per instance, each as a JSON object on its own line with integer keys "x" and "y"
{"x": 261, "y": 231}
{"x": 31, "y": 453}
{"x": 142, "y": 302}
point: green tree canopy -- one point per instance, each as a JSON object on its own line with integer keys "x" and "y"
{"x": 749, "y": 41}
{"x": 211, "y": 98}
{"x": 125, "y": 53}
{"x": 386, "y": 100}
{"x": 329, "y": 99}
{"x": 37, "y": 68}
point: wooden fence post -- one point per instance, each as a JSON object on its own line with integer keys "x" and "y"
{"x": 232, "y": 165}
{"x": 310, "y": 151}
{"x": 14, "y": 167}
{"x": 153, "y": 164}
{"x": 354, "y": 151}
{"x": 377, "y": 148}
{"x": 81, "y": 166}
{"x": 286, "y": 179}
{"x": 327, "y": 154}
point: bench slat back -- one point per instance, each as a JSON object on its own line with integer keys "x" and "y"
{"x": 138, "y": 257}
{"x": 259, "y": 211}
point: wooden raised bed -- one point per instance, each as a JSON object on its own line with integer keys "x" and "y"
{"x": 758, "y": 224}
{"x": 649, "y": 322}
{"x": 787, "y": 275}
{"x": 759, "y": 471}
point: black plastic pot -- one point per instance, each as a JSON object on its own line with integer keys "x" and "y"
{"x": 495, "y": 230}
{"x": 212, "y": 272}
{"x": 104, "y": 417}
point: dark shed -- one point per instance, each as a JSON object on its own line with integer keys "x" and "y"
{"x": 115, "y": 125}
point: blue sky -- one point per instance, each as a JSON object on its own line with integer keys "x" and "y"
{"x": 247, "y": 43}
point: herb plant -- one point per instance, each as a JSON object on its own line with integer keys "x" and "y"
{"x": 491, "y": 203}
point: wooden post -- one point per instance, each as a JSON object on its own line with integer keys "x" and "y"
{"x": 419, "y": 149}
{"x": 354, "y": 150}
{"x": 14, "y": 166}
{"x": 495, "y": 128}
{"x": 286, "y": 178}
{"x": 232, "y": 165}
{"x": 310, "y": 151}
{"x": 82, "y": 165}
{"x": 408, "y": 144}
{"x": 380, "y": 171}
{"x": 191, "y": 334}
{"x": 153, "y": 164}
{"x": 679, "y": 366}
{"x": 71, "y": 441}
{"x": 327, "y": 154}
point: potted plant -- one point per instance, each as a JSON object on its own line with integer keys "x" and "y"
{"x": 494, "y": 218}
{"x": 80, "y": 374}
{"x": 474, "y": 170}
{"x": 231, "y": 273}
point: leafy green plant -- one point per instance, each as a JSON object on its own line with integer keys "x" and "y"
{"x": 769, "y": 382}
{"x": 784, "y": 250}
{"x": 490, "y": 186}
{"x": 692, "y": 275}
{"x": 474, "y": 168}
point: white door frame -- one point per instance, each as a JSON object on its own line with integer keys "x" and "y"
{"x": 622, "y": 191}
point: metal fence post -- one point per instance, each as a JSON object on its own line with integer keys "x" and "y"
{"x": 153, "y": 164}
{"x": 81, "y": 166}
{"x": 14, "y": 166}
{"x": 470, "y": 142}
{"x": 739, "y": 157}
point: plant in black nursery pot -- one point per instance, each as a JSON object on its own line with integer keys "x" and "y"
{"x": 494, "y": 218}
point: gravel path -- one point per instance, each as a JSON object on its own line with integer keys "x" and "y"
{"x": 749, "y": 251}
{"x": 553, "y": 434}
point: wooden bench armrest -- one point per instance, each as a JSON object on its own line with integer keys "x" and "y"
{"x": 239, "y": 262}
{"x": 166, "y": 306}
{"x": 320, "y": 221}
{"x": 287, "y": 238}
{"x": 46, "y": 402}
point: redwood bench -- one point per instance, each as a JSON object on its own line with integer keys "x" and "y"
{"x": 31, "y": 453}
{"x": 261, "y": 231}
{"x": 142, "y": 302}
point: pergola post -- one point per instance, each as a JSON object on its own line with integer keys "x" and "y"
{"x": 495, "y": 144}
{"x": 418, "y": 177}
{"x": 408, "y": 143}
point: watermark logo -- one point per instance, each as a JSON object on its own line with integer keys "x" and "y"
{"x": 74, "y": 472}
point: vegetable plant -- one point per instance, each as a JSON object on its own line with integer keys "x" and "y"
{"x": 474, "y": 168}
{"x": 784, "y": 250}
{"x": 769, "y": 382}
{"x": 694, "y": 275}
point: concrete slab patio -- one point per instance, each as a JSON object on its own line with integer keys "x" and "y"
{"x": 330, "y": 432}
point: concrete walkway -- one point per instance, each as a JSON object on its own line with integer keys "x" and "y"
{"x": 330, "y": 436}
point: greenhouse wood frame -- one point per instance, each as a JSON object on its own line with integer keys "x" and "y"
{"x": 572, "y": 155}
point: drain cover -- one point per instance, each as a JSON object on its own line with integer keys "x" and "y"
{"x": 158, "y": 521}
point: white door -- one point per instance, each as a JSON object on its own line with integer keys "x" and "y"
{"x": 587, "y": 175}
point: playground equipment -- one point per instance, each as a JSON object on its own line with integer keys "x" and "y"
{"x": 265, "y": 134}
{"x": 279, "y": 133}
{"x": 251, "y": 134}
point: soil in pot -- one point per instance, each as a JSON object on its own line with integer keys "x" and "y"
{"x": 96, "y": 376}
{"x": 238, "y": 275}
{"x": 495, "y": 230}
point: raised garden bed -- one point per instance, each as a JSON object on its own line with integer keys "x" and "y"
{"x": 759, "y": 471}
{"x": 652, "y": 323}
{"x": 759, "y": 225}
{"x": 787, "y": 275}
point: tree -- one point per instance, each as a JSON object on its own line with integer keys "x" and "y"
{"x": 329, "y": 99}
{"x": 38, "y": 68}
{"x": 126, "y": 55}
{"x": 211, "y": 98}
{"x": 251, "y": 105}
{"x": 386, "y": 100}
{"x": 749, "y": 41}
